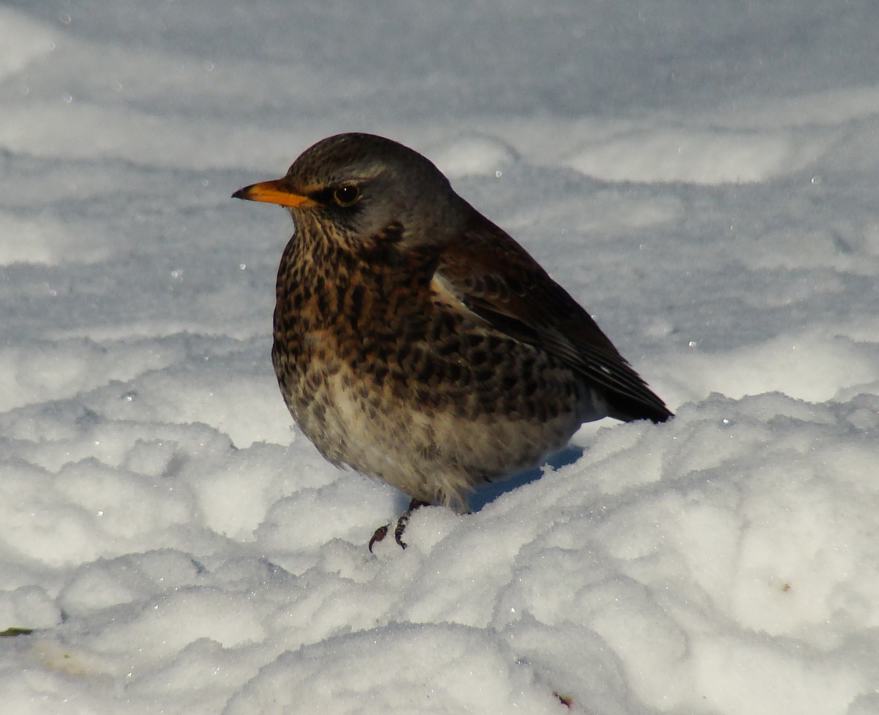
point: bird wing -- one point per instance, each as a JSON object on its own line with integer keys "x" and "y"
{"x": 496, "y": 279}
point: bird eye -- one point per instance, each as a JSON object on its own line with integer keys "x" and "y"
{"x": 346, "y": 195}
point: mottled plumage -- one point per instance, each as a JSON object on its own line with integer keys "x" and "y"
{"x": 417, "y": 342}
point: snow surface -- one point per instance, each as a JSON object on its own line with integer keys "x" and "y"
{"x": 703, "y": 176}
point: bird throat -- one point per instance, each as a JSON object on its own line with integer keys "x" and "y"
{"x": 329, "y": 289}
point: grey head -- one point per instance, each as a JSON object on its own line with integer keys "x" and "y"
{"x": 353, "y": 187}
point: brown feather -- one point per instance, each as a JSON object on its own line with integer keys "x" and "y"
{"x": 500, "y": 282}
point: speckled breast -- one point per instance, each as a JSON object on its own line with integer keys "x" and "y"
{"x": 385, "y": 375}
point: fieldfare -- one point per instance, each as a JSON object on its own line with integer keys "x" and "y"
{"x": 417, "y": 342}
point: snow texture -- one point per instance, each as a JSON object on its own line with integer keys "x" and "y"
{"x": 701, "y": 175}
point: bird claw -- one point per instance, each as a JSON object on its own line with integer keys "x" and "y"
{"x": 402, "y": 522}
{"x": 382, "y": 531}
{"x": 378, "y": 535}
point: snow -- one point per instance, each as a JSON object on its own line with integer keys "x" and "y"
{"x": 702, "y": 176}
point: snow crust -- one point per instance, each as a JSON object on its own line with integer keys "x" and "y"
{"x": 702, "y": 176}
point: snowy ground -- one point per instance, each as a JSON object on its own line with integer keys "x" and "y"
{"x": 703, "y": 176}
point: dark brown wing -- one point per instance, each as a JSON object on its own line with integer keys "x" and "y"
{"x": 498, "y": 281}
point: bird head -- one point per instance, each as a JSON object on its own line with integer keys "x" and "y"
{"x": 358, "y": 188}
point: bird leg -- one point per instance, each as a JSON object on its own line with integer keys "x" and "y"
{"x": 404, "y": 520}
{"x": 382, "y": 531}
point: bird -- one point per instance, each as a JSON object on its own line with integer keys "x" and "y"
{"x": 415, "y": 341}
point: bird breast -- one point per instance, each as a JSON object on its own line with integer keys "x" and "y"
{"x": 383, "y": 372}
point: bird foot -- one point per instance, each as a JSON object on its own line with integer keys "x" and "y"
{"x": 382, "y": 531}
{"x": 378, "y": 535}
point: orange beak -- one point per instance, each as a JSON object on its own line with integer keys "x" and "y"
{"x": 274, "y": 192}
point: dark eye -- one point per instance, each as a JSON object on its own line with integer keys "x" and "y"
{"x": 346, "y": 195}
